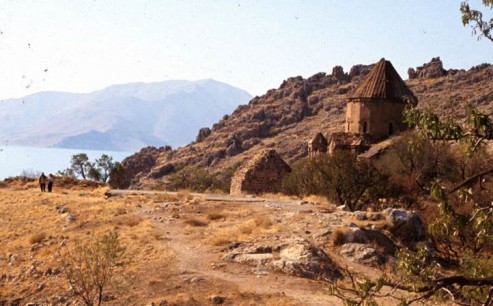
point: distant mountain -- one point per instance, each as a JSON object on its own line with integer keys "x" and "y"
{"x": 123, "y": 117}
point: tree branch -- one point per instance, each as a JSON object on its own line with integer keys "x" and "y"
{"x": 469, "y": 180}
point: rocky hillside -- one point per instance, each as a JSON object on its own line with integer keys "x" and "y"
{"x": 285, "y": 118}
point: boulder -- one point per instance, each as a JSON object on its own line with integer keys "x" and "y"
{"x": 217, "y": 299}
{"x": 203, "y": 134}
{"x": 362, "y": 253}
{"x": 411, "y": 73}
{"x": 407, "y": 227}
{"x": 338, "y": 73}
{"x": 300, "y": 257}
{"x": 295, "y": 256}
{"x": 161, "y": 171}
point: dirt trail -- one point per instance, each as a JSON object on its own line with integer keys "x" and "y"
{"x": 198, "y": 260}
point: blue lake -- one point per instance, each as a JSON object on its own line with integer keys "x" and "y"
{"x": 15, "y": 160}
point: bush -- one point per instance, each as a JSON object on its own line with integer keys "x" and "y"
{"x": 199, "y": 179}
{"x": 414, "y": 162}
{"x": 90, "y": 267}
{"x": 339, "y": 177}
{"x": 118, "y": 177}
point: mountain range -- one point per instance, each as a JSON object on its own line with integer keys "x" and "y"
{"x": 122, "y": 117}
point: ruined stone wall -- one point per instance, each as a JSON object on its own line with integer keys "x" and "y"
{"x": 379, "y": 115}
{"x": 262, "y": 174}
{"x": 317, "y": 146}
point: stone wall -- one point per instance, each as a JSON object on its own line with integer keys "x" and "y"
{"x": 379, "y": 118}
{"x": 317, "y": 146}
{"x": 262, "y": 174}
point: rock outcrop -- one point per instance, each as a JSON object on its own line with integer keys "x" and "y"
{"x": 433, "y": 69}
{"x": 294, "y": 256}
{"x": 203, "y": 133}
{"x": 141, "y": 162}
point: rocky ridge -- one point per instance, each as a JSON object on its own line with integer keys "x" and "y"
{"x": 285, "y": 118}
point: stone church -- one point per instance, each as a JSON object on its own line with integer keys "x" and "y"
{"x": 373, "y": 112}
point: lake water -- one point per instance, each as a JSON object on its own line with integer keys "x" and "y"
{"x": 15, "y": 160}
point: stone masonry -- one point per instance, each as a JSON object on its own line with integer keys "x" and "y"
{"x": 262, "y": 174}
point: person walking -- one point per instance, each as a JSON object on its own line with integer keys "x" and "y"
{"x": 51, "y": 180}
{"x": 42, "y": 182}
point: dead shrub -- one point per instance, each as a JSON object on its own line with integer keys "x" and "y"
{"x": 215, "y": 216}
{"x": 128, "y": 220}
{"x": 263, "y": 221}
{"x": 37, "y": 238}
{"x": 223, "y": 238}
{"x": 196, "y": 222}
{"x": 339, "y": 237}
{"x": 259, "y": 222}
{"x": 120, "y": 211}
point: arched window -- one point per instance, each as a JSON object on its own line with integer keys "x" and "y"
{"x": 391, "y": 128}
{"x": 365, "y": 127}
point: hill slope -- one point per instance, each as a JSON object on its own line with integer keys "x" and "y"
{"x": 287, "y": 117}
{"x": 121, "y": 117}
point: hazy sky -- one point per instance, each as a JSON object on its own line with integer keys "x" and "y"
{"x": 85, "y": 45}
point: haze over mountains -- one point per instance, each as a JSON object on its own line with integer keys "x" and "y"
{"x": 123, "y": 117}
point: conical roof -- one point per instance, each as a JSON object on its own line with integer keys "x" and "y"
{"x": 382, "y": 82}
{"x": 318, "y": 139}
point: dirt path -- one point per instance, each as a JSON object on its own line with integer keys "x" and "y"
{"x": 196, "y": 260}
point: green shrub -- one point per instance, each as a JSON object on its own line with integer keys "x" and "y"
{"x": 339, "y": 177}
{"x": 199, "y": 179}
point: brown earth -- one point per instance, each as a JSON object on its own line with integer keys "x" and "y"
{"x": 176, "y": 244}
{"x": 284, "y": 119}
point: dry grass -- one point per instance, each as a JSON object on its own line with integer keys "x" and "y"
{"x": 37, "y": 238}
{"x": 339, "y": 236}
{"x": 244, "y": 230}
{"x": 195, "y": 222}
{"x": 29, "y": 217}
{"x": 215, "y": 216}
{"x": 184, "y": 195}
{"x": 156, "y": 243}
{"x": 320, "y": 200}
{"x": 101, "y": 190}
{"x": 128, "y": 220}
{"x": 120, "y": 211}
{"x": 278, "y": 196}
{"x": 165, "y": 197}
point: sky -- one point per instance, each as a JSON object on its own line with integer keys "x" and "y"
{"x": 86, "y": 45}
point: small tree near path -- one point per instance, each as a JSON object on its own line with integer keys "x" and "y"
{"x": 90, "y": 267}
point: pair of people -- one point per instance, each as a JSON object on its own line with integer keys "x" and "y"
{"x": 43, "y": 180}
